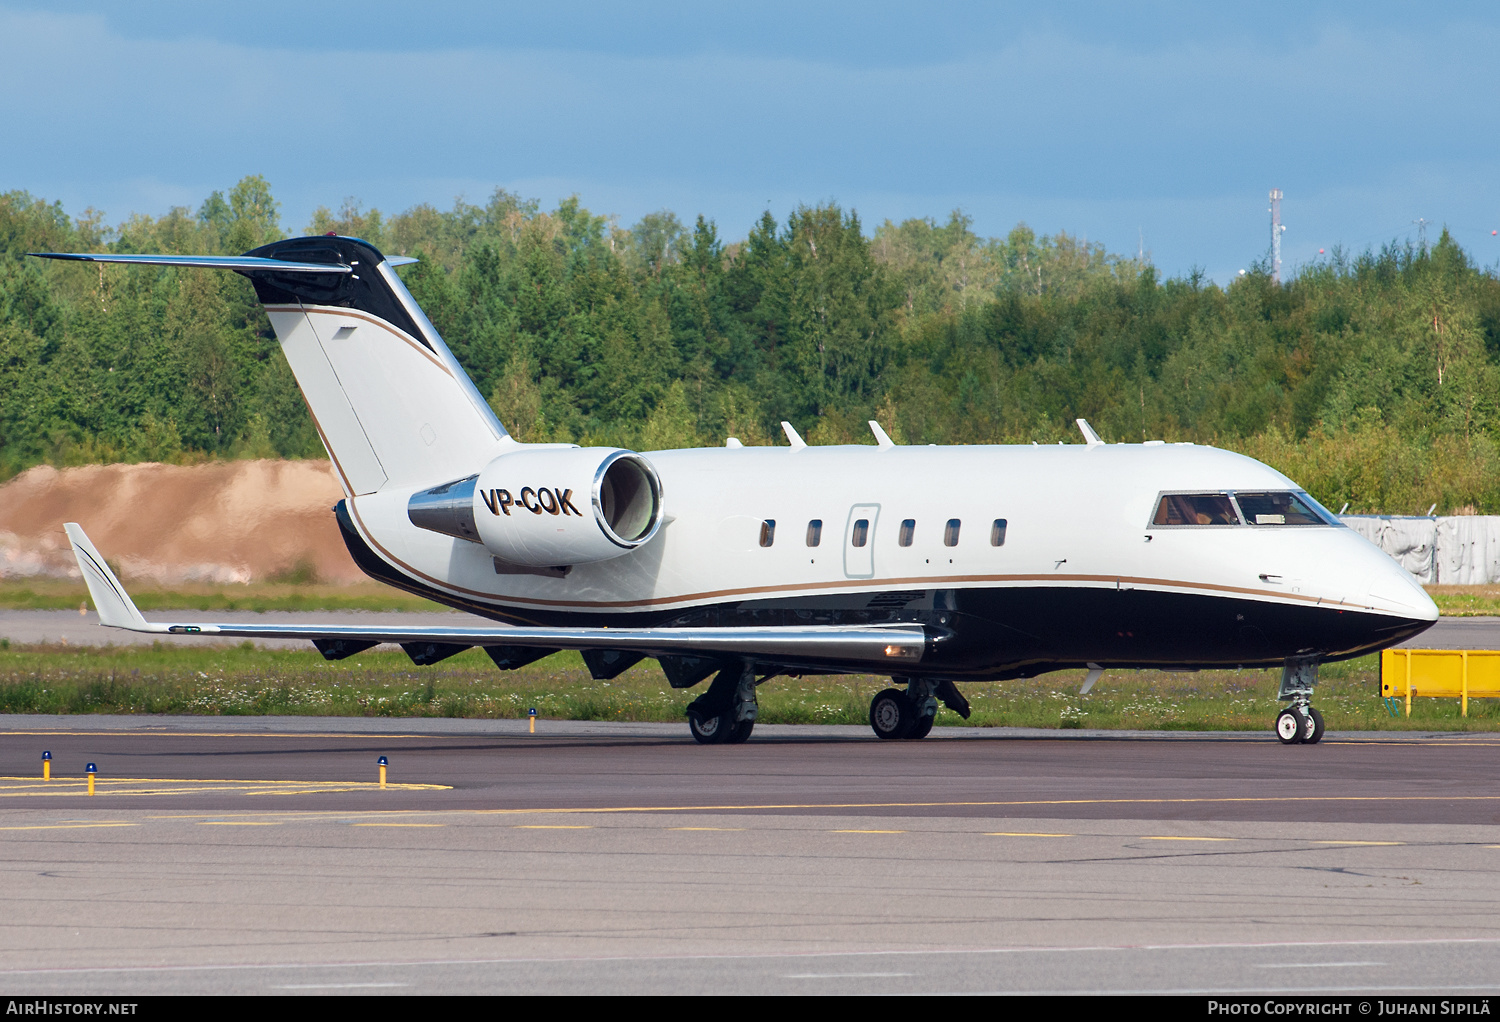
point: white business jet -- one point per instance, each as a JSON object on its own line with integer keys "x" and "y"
{"x": 933, "y": 565}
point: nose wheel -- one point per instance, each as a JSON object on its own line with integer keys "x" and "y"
{"x": 1313, "y": 733}
{"x": 1297, "y": 725}
{"x": 1290, "y": 724}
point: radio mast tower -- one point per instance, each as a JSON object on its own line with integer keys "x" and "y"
{"x": 1276, "y": 229}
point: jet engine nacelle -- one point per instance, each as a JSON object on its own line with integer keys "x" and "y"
{"x": 549, "y": 506}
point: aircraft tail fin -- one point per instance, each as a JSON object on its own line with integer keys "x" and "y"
{"x": 391, "y": 403}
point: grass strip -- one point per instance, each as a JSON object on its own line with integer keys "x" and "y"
{"x": 245, "y": 680}
{"x": 1466, "y": 601}
{"x": 63, "y": 594}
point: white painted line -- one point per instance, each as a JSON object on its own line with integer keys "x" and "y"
{"x": 336, "y": 986}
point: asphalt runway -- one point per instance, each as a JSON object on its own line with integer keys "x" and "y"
{"x": 41, "y": 626}
{"x": 259, "y": 855}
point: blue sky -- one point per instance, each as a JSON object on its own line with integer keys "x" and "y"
{"x": 1158, "y": 124}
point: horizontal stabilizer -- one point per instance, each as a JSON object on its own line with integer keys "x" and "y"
{"x": 244, "y": 264}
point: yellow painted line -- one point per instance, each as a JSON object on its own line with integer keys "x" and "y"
{"x": 239, "y": 823}
{"x": 316, "y": 791}
{"x": 218, "y": 734}
{"x": 1011, "y": 833}
{"x": 552, "y": 826}
{"x": 1174, "y": 838}
{"x": 23, "y": 787}
{"x": 739, "y": 829}
{"x": 987, "y": 804}
{"x": 604, "y": 810}
{"x": 867, "y": 832}
{"x": 1445, "y": 745}
{"x": 71, "y": 826}
{"x": 398, "y": 825}
{"x": 1359, "y": 842}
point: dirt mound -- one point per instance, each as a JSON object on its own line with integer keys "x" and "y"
{"x": 234, "y": 521}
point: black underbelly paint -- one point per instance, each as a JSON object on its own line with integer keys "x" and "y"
{"x": 1009, "y": 632}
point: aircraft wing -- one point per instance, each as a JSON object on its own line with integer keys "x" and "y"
{"x": 890, "y": 645}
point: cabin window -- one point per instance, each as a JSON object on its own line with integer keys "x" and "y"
{"x": 1195, "y": 509}
{"x": 1279, "y": 509}
{"x": 908, "y": 530}
{"x": 815, "y": 532}
{"x": 997, "y": 532}
{"x": 768, "y": 532}
{"x": 950, "y": 532}
{"x": 861, "y": 533}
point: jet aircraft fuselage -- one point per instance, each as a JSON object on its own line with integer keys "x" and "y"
{"x": 934, "y": 565}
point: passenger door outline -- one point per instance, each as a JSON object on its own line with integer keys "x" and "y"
{"x": 859, "y": 561}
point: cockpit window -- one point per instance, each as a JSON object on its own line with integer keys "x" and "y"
{"x": 1195, "y": 509}
{"x": 1280, "y": 509}
{"x": 1273, "y": 507}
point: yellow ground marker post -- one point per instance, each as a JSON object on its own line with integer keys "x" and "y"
{"x": 383, "y": 763}
{"x": 1459, "y": 673}
{"x": 46, "y": 766}
{"x": 91, "y": 770}
{"x": 532, "y": 714}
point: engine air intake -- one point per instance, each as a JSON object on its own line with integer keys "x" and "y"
{"x": 628, "y": 499}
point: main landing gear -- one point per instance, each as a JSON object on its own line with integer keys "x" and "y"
{"x": 1300, "y": 722}
{"x": 725, "y": 714}
{"x": 910, "y": 714}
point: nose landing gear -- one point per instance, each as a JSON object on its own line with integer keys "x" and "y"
{"x": 1300, "y": 722}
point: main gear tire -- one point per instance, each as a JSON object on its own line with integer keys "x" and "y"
{"x": 892, "y": 714}
{"x": 711, "y": 730}
{"x": 738, "y": 732}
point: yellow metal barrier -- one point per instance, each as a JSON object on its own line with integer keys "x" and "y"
{"x": 1455, "y": 673}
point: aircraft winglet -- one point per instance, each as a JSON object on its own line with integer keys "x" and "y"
{"x": 116, "y": 609}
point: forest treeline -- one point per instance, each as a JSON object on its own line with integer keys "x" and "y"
{"x": 1371, "y": 378}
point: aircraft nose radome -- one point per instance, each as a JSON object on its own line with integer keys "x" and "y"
{"x": 1393, "y": 587}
